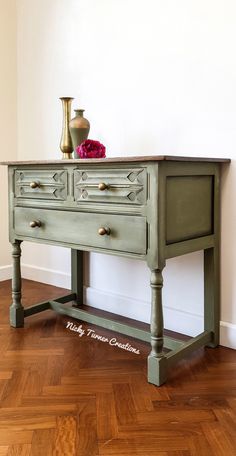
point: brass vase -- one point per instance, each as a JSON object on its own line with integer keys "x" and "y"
{"x": 66, "y": 145}
{"x": 79, "y": 129}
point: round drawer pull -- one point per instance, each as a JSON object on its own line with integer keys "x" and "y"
{"x": 35, "y": 224}
{"x": 102, "y": 231}
{"x": 34, "y": 184}
{"x": 102, "y": 186}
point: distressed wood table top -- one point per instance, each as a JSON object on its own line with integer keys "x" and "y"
{"x": 145, "y": 158}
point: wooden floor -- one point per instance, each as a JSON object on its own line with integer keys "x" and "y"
{"x": 66, "y": 394}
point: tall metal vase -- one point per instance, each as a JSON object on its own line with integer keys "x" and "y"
{"x": 66, "y": 145}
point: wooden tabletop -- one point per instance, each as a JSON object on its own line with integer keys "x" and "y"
{"x": 145, "y": 158}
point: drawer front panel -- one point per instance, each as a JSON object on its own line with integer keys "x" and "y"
{"x": 41, "y": 184}
{"x": 125, "y": 186}
{"x": 127, "y": 233}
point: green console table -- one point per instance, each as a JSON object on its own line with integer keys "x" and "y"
{"x": 150, "y": 208}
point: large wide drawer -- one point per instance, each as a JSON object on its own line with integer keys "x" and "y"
{"x": 111, "y": 185}
{"x": 50, "y": 184}
{"x": 126, "y": 233}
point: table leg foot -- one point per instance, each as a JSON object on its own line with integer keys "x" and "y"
{"x": 16, "y": 317}
{"x": 157, "y": 370}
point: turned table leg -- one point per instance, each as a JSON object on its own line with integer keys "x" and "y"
{"x": 156, "y": 359}
{"x": 16, "y": 309}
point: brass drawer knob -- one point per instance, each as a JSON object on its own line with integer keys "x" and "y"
{"x": 34, "y": 184}
{"x": 102, "y": 186}
{"x": 102, "y": 231}
{"x": 35, "y": 224}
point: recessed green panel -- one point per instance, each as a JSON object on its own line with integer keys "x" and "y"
{"x": 189, "y": 207}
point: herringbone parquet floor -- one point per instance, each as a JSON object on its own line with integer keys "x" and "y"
{"x": 62, "y": 394}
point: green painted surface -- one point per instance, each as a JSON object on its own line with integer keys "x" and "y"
{"x": 188, "y": 347}
{"x": 127, "y": 233}
{"x": 77, "y": 273}
{"x": 212, "y": 294}
{"x": 157, "y": 370}
{"x": 16, "y": 308}
{"x": 113, "y": 325}
{"x": 46, "y": 305}
{"x": 189, "y": 206}
{"x": 126, "y": 186}
{"x": 157, "y": 324}
{"x": 155, "y": 210}
{"x": 49, "y": 184}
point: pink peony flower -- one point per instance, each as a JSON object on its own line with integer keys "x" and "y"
{"x": 91, "y": 149}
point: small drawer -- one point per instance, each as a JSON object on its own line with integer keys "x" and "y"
{"x": 125, "y": 186}
{"x": 105, "y": 231}
{"x": 41, "y": 184}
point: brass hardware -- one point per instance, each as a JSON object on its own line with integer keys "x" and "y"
{"x": 102, "y": 231}
{"x": 35, "y": 223}
{"x": 102, "y": 186}
{"x": 34, "y": 184}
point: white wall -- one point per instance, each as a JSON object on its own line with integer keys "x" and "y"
{"x": 155, "y": 77}
{"x": 8, "y": 110}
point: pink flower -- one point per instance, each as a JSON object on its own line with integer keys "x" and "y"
{"x": 91, "y": 149}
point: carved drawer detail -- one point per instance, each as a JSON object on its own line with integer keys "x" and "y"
{"x": 126, "y": 186}
{"x": 41, "y": 184}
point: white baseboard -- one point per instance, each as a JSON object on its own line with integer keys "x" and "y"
{"x": 227, "y": 334}
{"x": 175, "y": 320}
{"x": 5, "y": 272}
{"x": 44, "y": 275}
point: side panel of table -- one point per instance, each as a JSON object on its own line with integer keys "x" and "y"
{"x": 188, "y": 220}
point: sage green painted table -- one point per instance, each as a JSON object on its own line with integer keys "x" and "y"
{"x": 150, "y": 208}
